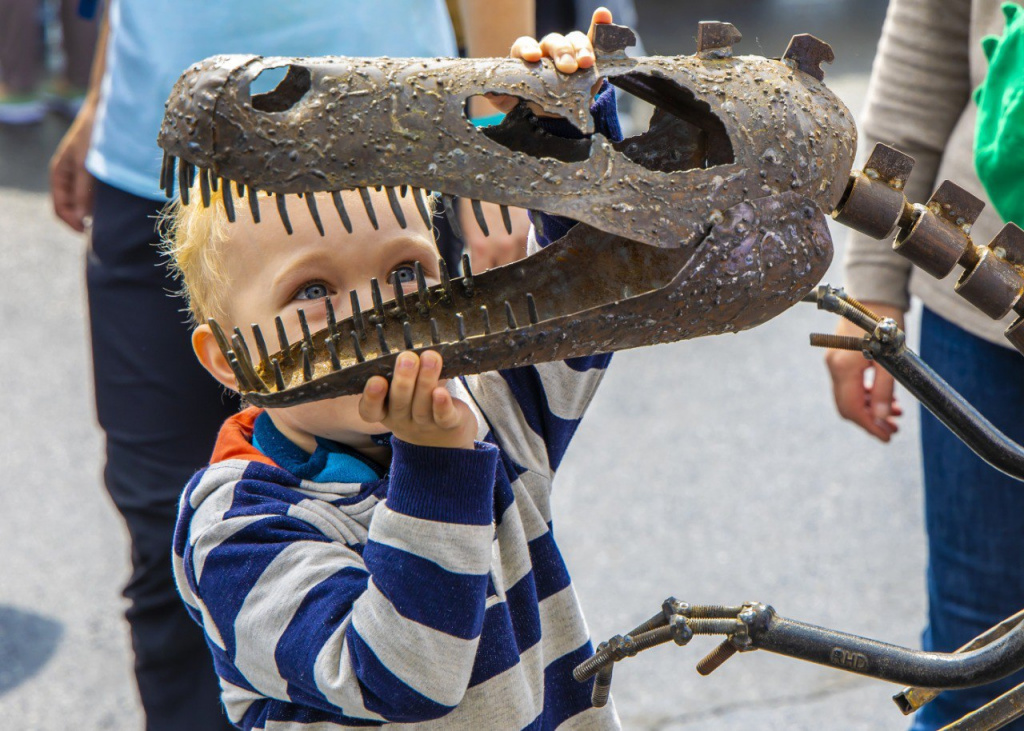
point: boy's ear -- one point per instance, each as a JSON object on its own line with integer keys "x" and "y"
{"x": 205, "y": 346}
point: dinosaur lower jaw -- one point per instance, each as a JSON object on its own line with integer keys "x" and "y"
{"x": 588, "y": 292}
{"x": 529, "y": 311}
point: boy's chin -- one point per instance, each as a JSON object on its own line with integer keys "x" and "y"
{"x": 336, "y": 419}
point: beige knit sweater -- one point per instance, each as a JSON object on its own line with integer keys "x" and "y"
{"x": 919, "y": 100}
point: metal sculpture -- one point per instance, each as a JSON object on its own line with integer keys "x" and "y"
{"x": 712, "y": 221}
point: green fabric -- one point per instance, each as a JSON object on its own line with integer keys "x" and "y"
{"x": 999, "y": 136}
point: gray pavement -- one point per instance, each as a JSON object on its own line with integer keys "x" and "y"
{"x": 713, "y": 470}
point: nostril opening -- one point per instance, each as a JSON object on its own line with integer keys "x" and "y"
{"x": 290, "y": 89}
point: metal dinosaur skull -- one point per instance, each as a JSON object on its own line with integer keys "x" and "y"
{"x": 711, "y": 221}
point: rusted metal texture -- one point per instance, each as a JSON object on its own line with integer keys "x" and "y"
{"x": 936, "y": 236}
{"x": 711, "y": 221}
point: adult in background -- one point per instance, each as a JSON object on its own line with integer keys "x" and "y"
{"x": 159, "y": 410}
{"x": 919, "y": 100}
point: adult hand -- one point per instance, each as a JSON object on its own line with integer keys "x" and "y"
{"x": 872, "y": 407}
{"x": 71, "y": 185}
{"x": 500, "y": 247}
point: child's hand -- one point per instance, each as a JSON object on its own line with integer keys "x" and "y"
{"x": 570, "y": 53}
{"x": 418, "y": 410}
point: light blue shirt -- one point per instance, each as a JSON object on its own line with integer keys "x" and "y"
{"x": 153, "y": 41}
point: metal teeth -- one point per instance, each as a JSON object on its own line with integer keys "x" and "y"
{"x": 332, "y": 322}
{"x": 332, "y": 350}
{"x": 467, "y": 276}
{"x": 254, "y": 204}
{"x": 422, "y": 295}
{"x": 506, "y": 219}
{"x": 531, "y": 307}
{"x": 396, "y": 207}
{"x": 204, "y": 186}
{"x": 407, "y": 335}
{"x": 378, "y": 301}
{"x": 278, "y": 375}
{"x": 381, "y": 341}
{"x": 282, "y": 336}
{"x": 313, "y": 212}
{"x": 213, "y": 181}
{"x": 399, "y": 296}
{"x": 355, "y": 347}
{"x": 240, "y": 188}
{"x": 307, "y": 337}
{"x": 460, "y": 326}
{"x": 239, "y": 344}
{"x": 339, "y": 205}
{"x": 358, "y": 323}
{"x": 364, "y": 193}
{"x": 167, "y": 175}
{"x": 478, "y": 213}
{"x": 282, "y": 210}
{"x": 307, "y": 362}
{"x": 229, "y": 202}
{"x": 510, "y": 316}
{"x": 184, "y": 180}
{"x": 451, "y": 215}
{"x": 421, "y": 206}
{"x": 245, "y": 363}
{"x": 402, "y": 190}
{"x": 446, "y": 280}
{"x": 435, "y": 337}
{"x": 236, "y": 368}
{"x": 486, "y": 317}
{"x": 261, "y": 344}
{"x": 219, "y": 336}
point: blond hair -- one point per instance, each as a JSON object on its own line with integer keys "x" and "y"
{"x": 192, "y": 238}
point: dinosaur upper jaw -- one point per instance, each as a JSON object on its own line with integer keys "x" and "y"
{"x": 749, "y": 144}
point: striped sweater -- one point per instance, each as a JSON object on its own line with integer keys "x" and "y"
{"x": 435, "y": 596}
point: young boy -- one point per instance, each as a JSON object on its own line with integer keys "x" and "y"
{"x": 344, "y": 578}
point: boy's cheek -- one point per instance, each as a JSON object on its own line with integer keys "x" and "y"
{"x": 329, "y": 417}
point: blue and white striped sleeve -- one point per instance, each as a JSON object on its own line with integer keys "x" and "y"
{"x": 386, "y": 634}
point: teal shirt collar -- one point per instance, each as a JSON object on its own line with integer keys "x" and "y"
{"x": 330, "y": 462}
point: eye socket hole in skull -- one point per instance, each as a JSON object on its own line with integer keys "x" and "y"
{"x": 682, "y": 134}
{"x": 292, "y": 83}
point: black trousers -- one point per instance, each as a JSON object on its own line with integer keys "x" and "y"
{"x": 160, "y": 411}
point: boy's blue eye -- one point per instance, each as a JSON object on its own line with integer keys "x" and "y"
{"x": 312, "y": 291}
{"x": 403, "y": 274}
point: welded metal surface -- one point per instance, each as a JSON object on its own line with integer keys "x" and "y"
{"x": 712, "y": 221}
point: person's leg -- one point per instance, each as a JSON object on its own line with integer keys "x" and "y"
{"x": 973, "y": 513}
{"x": 160, "y": 412}
{"x": 21, "y": 45}
{"x": 79, "y": 37}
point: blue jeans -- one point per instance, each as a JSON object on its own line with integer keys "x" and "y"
{"x": 974, "y": 514}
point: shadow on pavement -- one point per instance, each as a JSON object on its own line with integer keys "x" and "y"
{"x": 27, "y": 642}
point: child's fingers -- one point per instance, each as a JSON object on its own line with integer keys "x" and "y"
{"x": 601, "y": 16}
{"x": 426, "y": 382}
{"x": 582, "y": 48}
{"x": 371, "y": 405}
{"x": 446, "y": 415}
{"x": 527, "y": 49}
{"x": 556, "y": 47}
{"x": 403, "y": 383}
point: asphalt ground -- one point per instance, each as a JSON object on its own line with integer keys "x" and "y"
{"x": 714, "y": 470}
